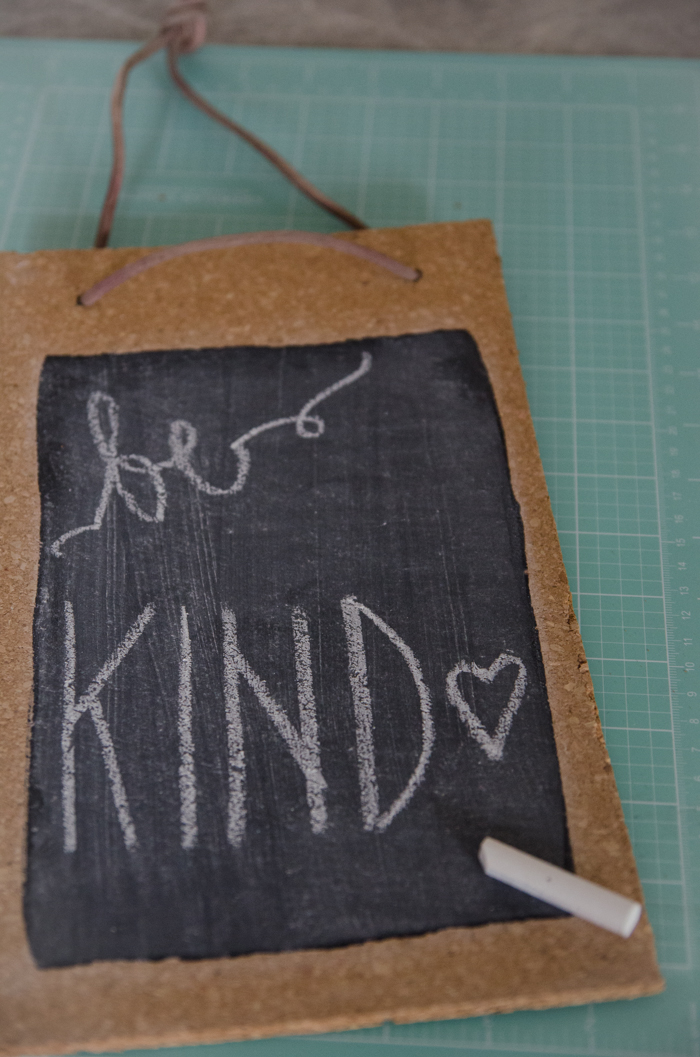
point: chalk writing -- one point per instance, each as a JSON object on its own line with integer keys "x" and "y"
{"x": 188, "y": 786}
{"x": 89, "y": 702}
{"x": 303, "y": 744}
{"x": 357, "y": 666}
{"x": 492, "y": 744}
{"x": 103, "y": 422}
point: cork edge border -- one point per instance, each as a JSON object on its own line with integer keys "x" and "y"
{"x": 379, "y": 978}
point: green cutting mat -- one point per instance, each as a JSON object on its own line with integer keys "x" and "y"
{"x": 590, "y": 170}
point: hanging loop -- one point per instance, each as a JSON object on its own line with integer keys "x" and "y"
{"x": 183, "y": 30}
{"x": 167, "y": 253}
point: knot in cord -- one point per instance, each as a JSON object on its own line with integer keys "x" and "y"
{"x": 184, "y": 27}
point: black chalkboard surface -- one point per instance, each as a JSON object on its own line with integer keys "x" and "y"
{"x": 287, "y": 674}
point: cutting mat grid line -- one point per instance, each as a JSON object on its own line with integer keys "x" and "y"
{"x": 590, "y": 171}
{"x": 672, "y": 771}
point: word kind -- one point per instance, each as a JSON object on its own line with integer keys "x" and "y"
{"x": 302, "y": 741}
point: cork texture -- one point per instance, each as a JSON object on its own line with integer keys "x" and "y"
{"x": 277, "y": 295}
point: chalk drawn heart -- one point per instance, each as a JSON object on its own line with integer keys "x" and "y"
{"x": 492, "y": 744}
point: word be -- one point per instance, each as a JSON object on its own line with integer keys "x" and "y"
{"x": 301, "y": 742}
{"x": 182, "y": 441}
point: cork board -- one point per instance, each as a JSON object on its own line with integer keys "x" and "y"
{"x": 255, "y": 296}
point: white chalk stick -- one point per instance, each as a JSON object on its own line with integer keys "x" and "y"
{"x": 562, "y": 889}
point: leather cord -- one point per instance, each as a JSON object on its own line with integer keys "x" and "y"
{"x": 183, "y": 31}
{"x": 403, "y": 271}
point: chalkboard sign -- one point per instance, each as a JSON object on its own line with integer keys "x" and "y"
{"x": 287, "y": 673}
